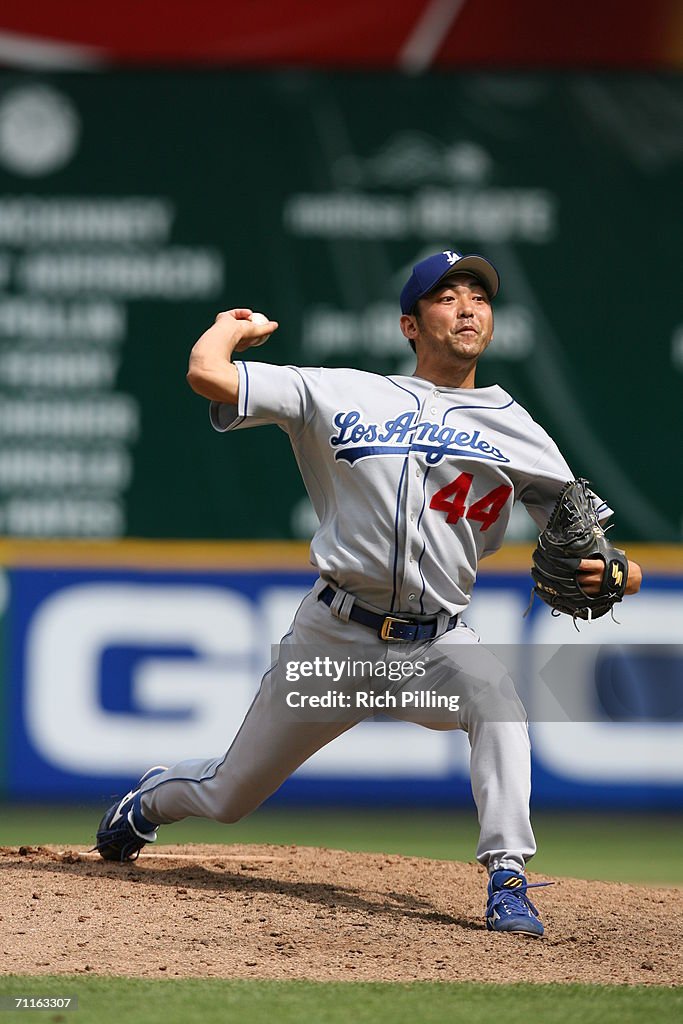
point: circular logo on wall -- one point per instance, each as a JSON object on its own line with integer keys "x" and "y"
{"x": 39, "y": 130}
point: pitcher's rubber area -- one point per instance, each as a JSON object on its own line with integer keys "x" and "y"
{"x": 292, "y": 912}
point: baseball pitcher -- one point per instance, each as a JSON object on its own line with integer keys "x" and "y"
{"x": 413, "y": 479}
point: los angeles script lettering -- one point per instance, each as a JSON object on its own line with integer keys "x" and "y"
{"x": 403, "y": 430}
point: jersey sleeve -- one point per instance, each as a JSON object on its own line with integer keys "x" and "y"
{"x": 539, "y": 487}
{"x": 267, "y": 394}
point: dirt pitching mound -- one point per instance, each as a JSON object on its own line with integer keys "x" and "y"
{"x": 288, "y": 912}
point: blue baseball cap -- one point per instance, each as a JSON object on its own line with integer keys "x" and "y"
{"x": 428, "y": 272}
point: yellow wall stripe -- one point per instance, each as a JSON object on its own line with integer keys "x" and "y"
{"x": 259, "y": 556}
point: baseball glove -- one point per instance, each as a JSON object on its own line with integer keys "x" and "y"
{"x": 572, "y": 533}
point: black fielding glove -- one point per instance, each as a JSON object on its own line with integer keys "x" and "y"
{"x": 571, "y": 534}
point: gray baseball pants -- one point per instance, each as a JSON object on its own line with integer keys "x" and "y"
{"x": 273, "y": 741}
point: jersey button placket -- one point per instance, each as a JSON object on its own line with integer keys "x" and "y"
{"x": 430, "y": 413}
{"x": 413, "y": 493}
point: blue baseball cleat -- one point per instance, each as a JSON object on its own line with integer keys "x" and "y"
{"x": 509, "y": 909}
{"x": 117, "y": 836}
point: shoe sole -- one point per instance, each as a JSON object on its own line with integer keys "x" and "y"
{"x": 516, "y": 931}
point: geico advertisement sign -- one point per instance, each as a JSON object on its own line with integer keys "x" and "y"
{"x": 194, "y": 656}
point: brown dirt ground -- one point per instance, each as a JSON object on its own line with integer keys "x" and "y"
{"x": 292, "y": 912}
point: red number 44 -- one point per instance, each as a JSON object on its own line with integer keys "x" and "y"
{"x": 451, "y": 499}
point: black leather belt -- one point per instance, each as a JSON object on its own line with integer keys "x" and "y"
{"x": 391, "y": 627}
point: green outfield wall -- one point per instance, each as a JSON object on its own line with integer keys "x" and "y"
{"x": 134, "y": 206}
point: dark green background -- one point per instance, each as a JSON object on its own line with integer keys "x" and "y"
{"x": 229, "y": 149}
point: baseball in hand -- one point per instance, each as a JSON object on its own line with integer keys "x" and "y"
{"x": 259, "y": 318}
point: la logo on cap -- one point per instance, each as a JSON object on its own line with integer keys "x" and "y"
{"x": 451, "y": 256}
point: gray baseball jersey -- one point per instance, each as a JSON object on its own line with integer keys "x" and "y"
{"x": 413, "y": 483}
